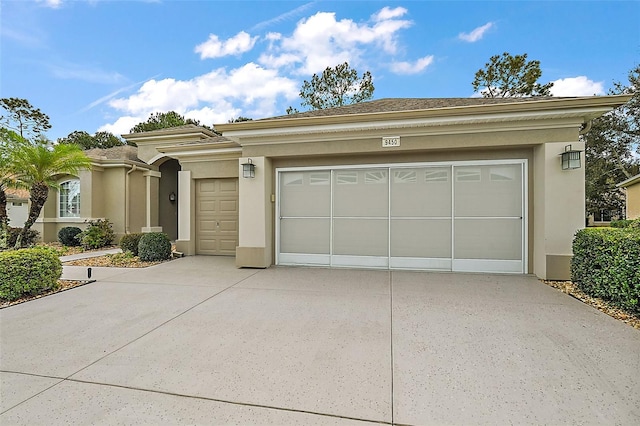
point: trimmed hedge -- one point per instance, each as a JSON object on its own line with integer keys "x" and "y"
{"x": 606, "y": 264}
{"x": 154, "y": 246}
{"x": 129, "y": 242}
{"x": 28, "y": 272}
{"x": 67, "y": 236}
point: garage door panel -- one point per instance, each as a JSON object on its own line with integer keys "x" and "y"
{"x": 229, "y": 206}
{"x": 488, "y": 239}
{"x": 305, "y": 194}
{"x": 216, "y": 216}
{"x": 488, "y": 191}
{"x": 421, "y": 192}
{"x": 427, "y": 238}
{"x": 358, "y": 237}
{"x": 361, "y": 193}
{"x": 307, "y": 236}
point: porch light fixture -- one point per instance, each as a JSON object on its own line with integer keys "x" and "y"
{"x": 570, "y": 158}
{"x": 248, "y": 169}
{"x": 172, "y": 197}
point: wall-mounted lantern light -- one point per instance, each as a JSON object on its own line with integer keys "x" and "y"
{"x": 248, "y": 169}
{"x": 172, "y": 197}
{"x": 570, "y": 158}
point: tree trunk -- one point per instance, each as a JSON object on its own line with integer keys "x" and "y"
{"x": 39, "y": 194}
{"x": 4, "y": 220}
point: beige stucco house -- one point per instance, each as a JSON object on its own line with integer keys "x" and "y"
{"x": 462, "y": 184}
{"x": 119, "y": 187}
{"x": 631, "y": 187}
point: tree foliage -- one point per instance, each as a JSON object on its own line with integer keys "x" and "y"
{"x": 86, "y": 141}
{"x": 38, "y": 167}
{"x": 240, "y": 119}
{"x": 165, "y": 120}
{"x": 335, "y": 87}
{"x": 612, "y": 152}
{"x": 510, "y": 76}
{"x": 23, "y": 118}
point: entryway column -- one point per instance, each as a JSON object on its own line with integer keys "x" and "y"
{"x": 152, "y": 183}
{"x": 256, "y": 198}
{"x": 186, "y": 216}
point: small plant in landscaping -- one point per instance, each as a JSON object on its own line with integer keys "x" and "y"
{"x": 98, "y": 234}
{"x": 122, "y": 259}
{"x": 68, "y": 236}
{"x": 28, "y": 272}
{"x": 154, "y": 246}
{"x": 129, "y": 243}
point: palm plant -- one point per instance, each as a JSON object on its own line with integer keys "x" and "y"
{"x": 38, "y": 168}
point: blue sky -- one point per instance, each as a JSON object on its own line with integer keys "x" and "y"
{"x": 106, "y": 65}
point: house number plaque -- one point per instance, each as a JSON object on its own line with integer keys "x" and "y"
{"x": 390, "y": 141}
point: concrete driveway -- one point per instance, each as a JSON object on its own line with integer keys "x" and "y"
{"x": 197, "y": 341}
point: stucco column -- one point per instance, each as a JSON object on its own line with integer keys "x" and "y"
{"x": 152, "y": 185}
{"x": 186, "y": 216}
{"x": 559, "y": 210}
{"x": 254, "y": 237}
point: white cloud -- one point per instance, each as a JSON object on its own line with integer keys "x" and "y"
{"x": 321, "y": 41}
{"x": 122, "y": 125}
{"x": 214, "y": 48}
{"x": 476, "y": 34}
{"x": 71, "y": 71}
{"x": 283, "y": 17}
{"x": 217, "y": 96}
{"x": 412, "y": 68}
{"x": 387, "y": 13}
{"x": 577, "y": 86}
{"x": 53, "y": 4}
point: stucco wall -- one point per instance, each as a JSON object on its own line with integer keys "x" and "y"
{"x": 633, "y": 201}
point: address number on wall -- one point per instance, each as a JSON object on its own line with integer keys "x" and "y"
{"x": 391, "y": 141}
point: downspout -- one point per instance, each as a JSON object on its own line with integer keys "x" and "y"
{"x": 126, "y": 198}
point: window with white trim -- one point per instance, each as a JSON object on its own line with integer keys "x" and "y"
{"x": 69, "y": 200}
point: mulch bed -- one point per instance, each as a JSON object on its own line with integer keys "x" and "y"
{"x": 62, "y": 286}
{"x": 572, "y": 290}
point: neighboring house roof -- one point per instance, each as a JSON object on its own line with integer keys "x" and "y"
{"x": 124, "y": 152}
{"x": 407, "y": 104}
{"x": 17, "y": 194}
{"x": 631, "y": 181}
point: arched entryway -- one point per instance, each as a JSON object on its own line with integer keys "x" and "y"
{"x": 168, "y": 198}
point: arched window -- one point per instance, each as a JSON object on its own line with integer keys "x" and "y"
{"x": 69, "y": 205}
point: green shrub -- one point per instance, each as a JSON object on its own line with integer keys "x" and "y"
{"x": 28, "y": 272}
{"x": 606, "y": 264}
{"x": 129, "y": 243}
{"x": 154, "y": 246}
{"x": 67, "y": 236}
{"x": 98, "y": 234}
{"x": 622, "y": 223}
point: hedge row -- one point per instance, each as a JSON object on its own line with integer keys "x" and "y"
{"x": 606, "y": 264}
{"x": 28, "y": 272}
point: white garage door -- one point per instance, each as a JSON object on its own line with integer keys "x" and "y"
{"x": 456, "y": 217}
{"x": 217, "y": 216}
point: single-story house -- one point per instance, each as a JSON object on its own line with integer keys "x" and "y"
{"x": 17, "y": 206}
{"x": 456, "y": 184}
{"x": 119, "y": 187}
{"x": 632, "y": 189}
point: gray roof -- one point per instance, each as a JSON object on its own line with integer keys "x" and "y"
{"x": 124, "y": 152}
{"x": 408, "y": 104}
